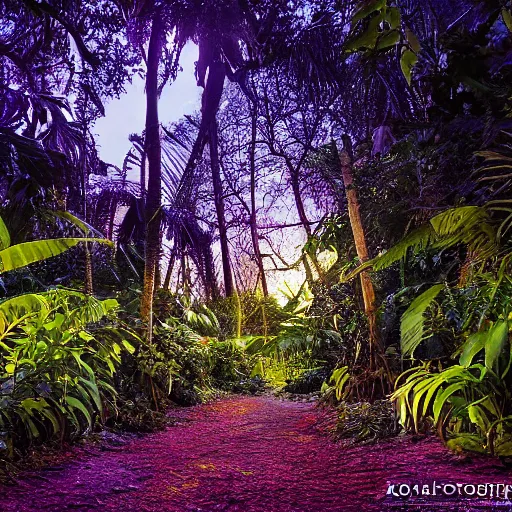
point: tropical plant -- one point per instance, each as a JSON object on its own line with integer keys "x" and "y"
{"x": 60, "y": 350}
{"x": 470, "y": 399}
{"x": 335, "y": 385}
{"x": 365, "y": 422}
{"x": 20, "y": 255}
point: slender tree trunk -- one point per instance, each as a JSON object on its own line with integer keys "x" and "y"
{"x": 212, "y": 289}
{"x": 302, "y": 216}
{"x": 254, "y": 225}
{"x": 186, "y": 274}
{"x": 170, "y": 268}
{"x": 219, "y": 207}
{"x": 345, "y": 157}
{"x": 294, "y": 178}
{"x": 154, "y": 193}
{"x": 209, "y": 105}
{"x": 112, "y": 218}
{"x": 307, "y": 268}
{"x": 88, "y": 285}
{"x": 143, "y": 175}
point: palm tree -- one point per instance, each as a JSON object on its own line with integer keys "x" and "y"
{"x": 221, "y": 29}
{"x": 153, "y": 153}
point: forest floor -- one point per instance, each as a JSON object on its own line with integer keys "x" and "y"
{"x": 244, "y": 454}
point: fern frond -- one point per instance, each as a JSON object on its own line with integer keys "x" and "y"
{"x": 469, "y": 225}
{"x": 412, "y": 326}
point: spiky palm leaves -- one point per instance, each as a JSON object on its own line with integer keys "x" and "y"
{"x": 182, "y": 230}
{"x": 39, "y": 166}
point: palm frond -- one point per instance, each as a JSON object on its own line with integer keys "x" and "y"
{"x": 469, "y": 225}
{"x": 412, "y": 325}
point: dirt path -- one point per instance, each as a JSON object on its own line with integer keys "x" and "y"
{"x": 242, "y": 454}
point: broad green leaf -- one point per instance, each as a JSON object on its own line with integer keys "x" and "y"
{"x": 507, "y": 18}
{"x": 469, "y": 225}
{"x": 84, "y": 335}
{"x": 368, "y": 39}
{"x": 56, "y": 323}
{"x": 495, "y": 342}
{"x": 468, "y": 442}
{"x": 128, "y": 346}
{"x": 393, "y": 17}
{"x": 478, "y": 417}
{"x": 10, "y": 368}
{"x": 412, "y": 40}
{"x": 474, "y": 344}
{"x": 75, "y": 353}
{"x": 30, "y": 403}
{"x": 442, "y": 397}
{"x": 83, "y": 226}
{"x": 40, "y": 405}
{"x": 48, "y": 413}
{"x": 258, "y": 369}
{"x": 440, "y": 379}
{"x": 503, "y": 449}
{"x": 390, "y": 38}
{"x": 34, "y": 431}
{"x": 412, "y": 322}
{"x": 407, "y": 61}
{"x": 366, "y": 8}
{"x": 106, "y": 386}
{"x": 419, "y": 391}
{"x": 30, "y": 362}
{"x": 13, "y": 309}
{"x": 21, "y": 255}
{"x": 110, "y": 304}
{"x": 93, "y": 392}
{"x": 74, "y": 402}
{"x": 5, "y": 238}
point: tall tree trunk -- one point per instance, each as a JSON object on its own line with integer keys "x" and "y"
{"x": 294, "y": 178}
{"x": 170, "y": 268}
{"x": 88, "y": 285}
{"x": 219, "y": 207}
{"x": 345, "y": 157}
{"x": 209, "y": 105}
{"x": 112, "y": 218}
{"x": 143, "y": 174}
{"x": 254, "y": 226}
{"x": 212, "y": 289}
{"x": 299, "y": 204}
{"x": 154, "y": 192}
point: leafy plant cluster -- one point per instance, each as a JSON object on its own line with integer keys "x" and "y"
{"x": 60, "y": 353}
{"x": 365, "y": 422}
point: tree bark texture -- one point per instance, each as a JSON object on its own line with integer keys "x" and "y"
{"x": 345, "y": 157}
{"x": 154, "y": 193}
{"x": 219, "y": 207}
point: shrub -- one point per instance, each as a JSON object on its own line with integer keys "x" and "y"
{"x": 60, "y": 350}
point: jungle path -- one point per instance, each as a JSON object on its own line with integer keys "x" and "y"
{"x": 247, "y": 454}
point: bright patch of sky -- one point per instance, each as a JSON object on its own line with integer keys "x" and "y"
{"x": 127, "y": 114}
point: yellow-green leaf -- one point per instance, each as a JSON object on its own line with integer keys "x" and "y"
{"x": 507, "y": 18}
{"x": 21, "y": 255}
{"x": 407, "y": 62}
{"x": 5, "y": 238}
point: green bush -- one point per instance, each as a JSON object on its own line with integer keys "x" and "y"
{"x": 365, "y": 422}
{"x": 60, "y": 351}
